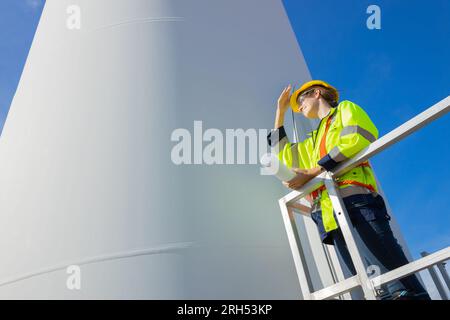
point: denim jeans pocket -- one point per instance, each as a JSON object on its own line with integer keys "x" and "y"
{"x": 368, "y": 213}
{"x": 361, "y": 214}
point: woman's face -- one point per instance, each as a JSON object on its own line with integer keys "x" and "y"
{"x": 309, "y": 106}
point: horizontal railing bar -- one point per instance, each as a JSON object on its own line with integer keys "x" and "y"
{"x": 300, "y": 208}
{"x": 336, "y": 289}
{"x": 412, "y": 267}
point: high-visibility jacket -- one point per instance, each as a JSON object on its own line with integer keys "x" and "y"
{"x": 346, "y": 130}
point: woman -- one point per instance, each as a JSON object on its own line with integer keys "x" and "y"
{"x": 343, "y": 131}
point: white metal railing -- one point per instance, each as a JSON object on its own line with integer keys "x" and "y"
{"x": 289, "y": 204}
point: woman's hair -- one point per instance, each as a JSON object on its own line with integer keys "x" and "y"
{"x": 327, "y": 94}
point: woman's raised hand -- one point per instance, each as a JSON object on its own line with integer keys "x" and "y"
{"x": 283, "y": 100}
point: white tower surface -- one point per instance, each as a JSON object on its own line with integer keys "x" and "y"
{"x": 86, "y": 175}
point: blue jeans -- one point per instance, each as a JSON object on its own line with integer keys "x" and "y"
{"x": 371, "y": 221}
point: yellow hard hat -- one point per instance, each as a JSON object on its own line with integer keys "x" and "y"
{"x": 306, "y": 86}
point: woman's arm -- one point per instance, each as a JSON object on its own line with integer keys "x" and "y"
{"x": 277, "y": 138}
{"x": 293, "y": 155}
{"x": 289, "y": 152}
{"x": 302, "y": 177}
{"x": 282, "y": 107}
{"x": 279, "y": 118}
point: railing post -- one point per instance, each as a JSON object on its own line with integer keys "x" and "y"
{"x": 297, "y": 250}
{"x": 349, "y": 237}
{"x": 435, "y": 278}
{"x": 335, "y": 267}
{"x": 441, "y": 267}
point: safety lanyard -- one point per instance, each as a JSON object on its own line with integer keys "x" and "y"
{"x": 322, "y": 148}
{"x": 315, "y": 133}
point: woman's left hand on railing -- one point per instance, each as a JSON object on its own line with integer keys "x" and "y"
{"x": 302, "y": 177}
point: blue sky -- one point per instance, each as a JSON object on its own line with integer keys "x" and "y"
{"x": 18, "y": 22}
{"x": 394, "y": 73}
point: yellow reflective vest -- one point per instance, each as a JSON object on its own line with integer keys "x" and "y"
{"x": 350, "y": 130}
